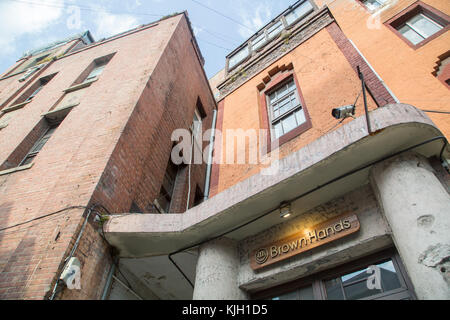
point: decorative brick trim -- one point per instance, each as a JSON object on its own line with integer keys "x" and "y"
{"x": 214, "y": 183}
{"x": 375, "y": 87}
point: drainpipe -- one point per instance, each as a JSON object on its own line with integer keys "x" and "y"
{"x": 373, "y": 70}
{"x": 210, "y": 157}
{"x": 108, "y": 281}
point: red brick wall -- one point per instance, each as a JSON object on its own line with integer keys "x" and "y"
{"x": 111, "y": 149}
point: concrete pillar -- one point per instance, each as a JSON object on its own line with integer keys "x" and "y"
{"x": 217, "y": 272}
{"x": 417, "y": 207}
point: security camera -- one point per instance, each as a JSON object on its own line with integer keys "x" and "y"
{"x": 343, "y": 112}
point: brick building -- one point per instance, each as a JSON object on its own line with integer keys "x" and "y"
{"x": 86, "y": 131}
{"x": 328, "y": 199}
{"x": 296, "y": 204}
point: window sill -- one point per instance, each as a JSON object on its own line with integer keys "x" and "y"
{"x": 12, "y": 170}
{"x": 80, "y": 86}
{"x": 16, "y": 107}
{"x": 294, "y": 133}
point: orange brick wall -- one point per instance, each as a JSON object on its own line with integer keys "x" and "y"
{"x": 407, "y": 72}
{"x": 326, "y": 79}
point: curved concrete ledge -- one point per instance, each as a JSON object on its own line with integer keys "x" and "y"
{"x": 396, "y": 127}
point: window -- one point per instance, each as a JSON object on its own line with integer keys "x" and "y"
{"x": 237, "y": 58}
{"x": 259, "y": 41}
{"x": 270, "y": 32}
{"x": 38, "y": 146}
{"x": 41, "y": 84}
{"x": 299, "y": 12}
{"x": 305, "y": 293}
{"x": 419, "y": 28}
{"x": 275, "y": 30}
{"x": 419, "y": 24}
{"x": 29, "y": 93}
{"x": 374, "y": 4}
{"x": 353, "y": 286}
{"x": 98, "y": 69}
{"x": 197, "y": 127}
{"x": 350, "y": 282}
{"x": 165, "y": 195}
{"x": 285, "y": 109}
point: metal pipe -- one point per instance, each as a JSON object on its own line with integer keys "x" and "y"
{"x": 210, "y": 156}
{"x": 72, "y": 251}
{"x": 108, "y": 281}
{"x": 361, "y": 76}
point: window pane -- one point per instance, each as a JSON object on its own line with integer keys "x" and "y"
{"x": 40, "y": 144}
{"x": 389, "y": 277}
{"x": 306, "y": 293}
{"x": 294, "y": 100}
{"x": 356, "y": 286}
{"x": 424, "y": 25}
{"x": 275, "y": 29}
{"x": 28, "y": 160}
{"x": 300, "y": 114}
{"x": 334, "y": 291}
{"x": 282, "y": 91}
{"x": 276, "y": 113}
{"x": 359, "y": 290}
{"x": 96, "y": 72}
{"x": 278, "y": 130}
{"x": 298, "y": 12}
{"x": 238, "y": 57}
{"x": 35, "y": 92}
{"x": 289, "y": 123}
{"x": 285, "y": 105}
{"x": 259, "y": 42}
{"x": 288, "y": 296}
{"x": 410, "y": 34}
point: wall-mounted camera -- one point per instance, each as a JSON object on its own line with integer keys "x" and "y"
{"x": 344, "y": 112}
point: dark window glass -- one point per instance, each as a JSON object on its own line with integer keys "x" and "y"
{"x": 166, "y": 192}
{"x": 354, "y": 286}
{"x": 38, "y": 146}
{"x": 305, "y": 293}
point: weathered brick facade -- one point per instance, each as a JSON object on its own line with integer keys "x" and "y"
{"x": 112, "y": 149}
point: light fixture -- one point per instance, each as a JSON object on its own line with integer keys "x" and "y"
{"x": 285, "y": 210}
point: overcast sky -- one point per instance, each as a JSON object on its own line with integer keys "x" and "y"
{"x": 29, "y": 24}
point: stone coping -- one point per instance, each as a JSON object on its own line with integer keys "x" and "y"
{"x": 80, "y": 86}
{"x": 16, "y": 169}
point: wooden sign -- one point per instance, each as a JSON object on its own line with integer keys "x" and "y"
{"x": 308, "y": 239}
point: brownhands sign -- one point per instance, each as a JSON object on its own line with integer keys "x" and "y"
{"x": 308, "y": 239}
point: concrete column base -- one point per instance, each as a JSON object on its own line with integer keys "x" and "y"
{"x": 217, "y": 272}
{"x": 417, "y": 207}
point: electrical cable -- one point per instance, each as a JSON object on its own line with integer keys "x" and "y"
{"x": 305, "y": 194}
{"x": 42, "y": 217}
{"x": 221, "y": 14}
